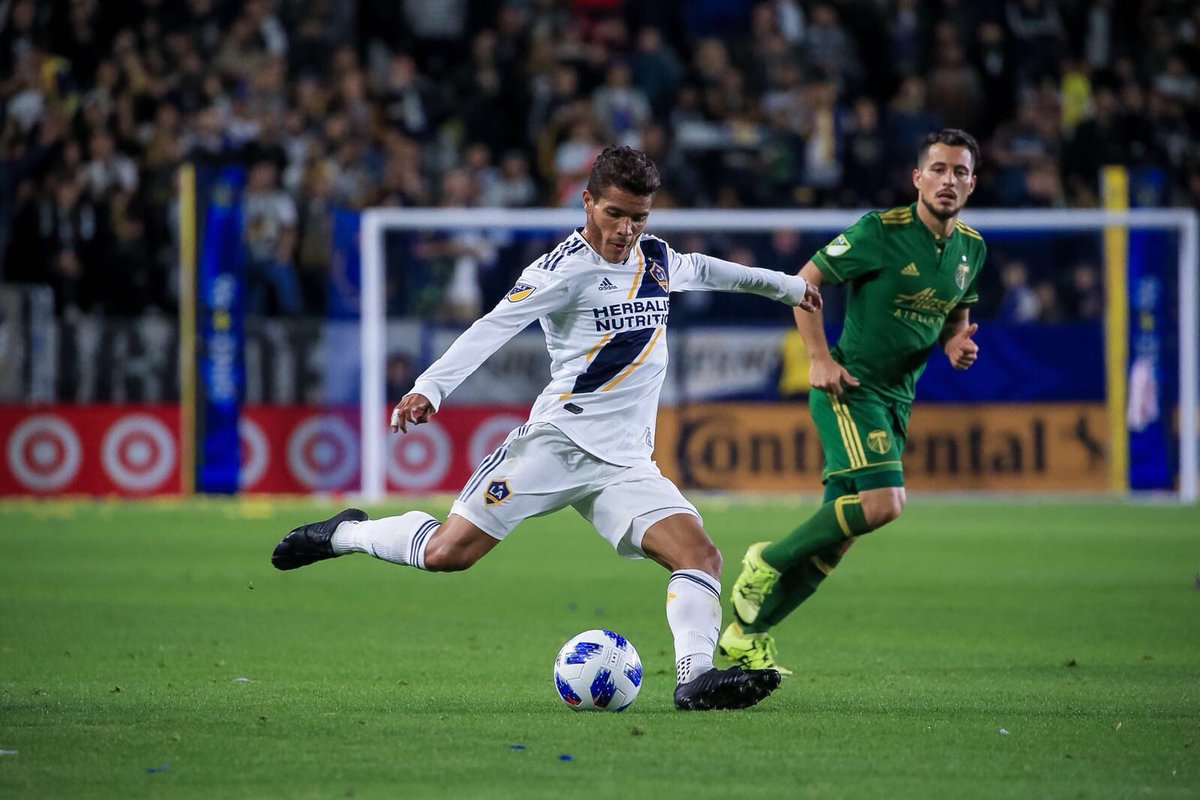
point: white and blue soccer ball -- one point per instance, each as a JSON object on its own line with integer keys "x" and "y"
{"x": 598, "y": 670}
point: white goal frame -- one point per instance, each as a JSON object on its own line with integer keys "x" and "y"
{"x": 377, "y": 220}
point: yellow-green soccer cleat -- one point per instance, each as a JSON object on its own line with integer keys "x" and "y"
{"x": 754, "y": 584}
{"x": 750, "y": 650}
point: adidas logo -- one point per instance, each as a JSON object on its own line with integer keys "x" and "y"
{"x": 911, "y": 269}
{"x": 607, "y": 286}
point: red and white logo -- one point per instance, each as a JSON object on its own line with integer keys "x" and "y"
{"x": 138, "y": 453}
{"x": 255, "y": 450}
{"x": 44, "y": 453}
{"x": 420, "y": 458}
{"x": 323, "y": 453}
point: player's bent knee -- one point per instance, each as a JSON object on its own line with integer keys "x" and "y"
{"x": 883, "y": 507}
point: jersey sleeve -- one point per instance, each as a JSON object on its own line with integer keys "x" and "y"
{"x": 971, "y": 295}
{"x": 700, "y": 272}
{"x": 855, "y": 252}
{"x": 536, "y": 293}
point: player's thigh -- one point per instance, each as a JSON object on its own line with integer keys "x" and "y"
{"x": 859, "y": 438}
{"x": 536, "y": 471}
{"x": 457, "y": 544}
{"x": 680, "y": 542}
{"x": 625, "y": 508}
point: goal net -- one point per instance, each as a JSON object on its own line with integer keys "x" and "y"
{"x": 1087, "y": 380}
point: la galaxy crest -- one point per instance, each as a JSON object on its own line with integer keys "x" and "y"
{"x": 659, "y": 273}
{"x": 497, "y": 492}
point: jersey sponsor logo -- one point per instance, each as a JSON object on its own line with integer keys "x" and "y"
{"x": 497, "y": 492}
{"x": 925, "y": 300}
{"x": 607, "y": 286}
{"x": 519, "y": 292}
{"x": 879, "y": 442}
{"x": 631, "y": 315}
{"x": 964, "y": 271}
{"x": 838, "y": 246}
{"x": 911, "y": 269}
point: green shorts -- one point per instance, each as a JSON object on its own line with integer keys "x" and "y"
{"x": 862, "y": 436}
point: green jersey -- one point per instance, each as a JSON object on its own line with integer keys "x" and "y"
{"x": 902, "y": 281}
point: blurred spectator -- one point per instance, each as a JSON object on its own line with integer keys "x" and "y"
{"x": 865, "y": 156}
{"x": 270, "y": 218}
{"x": 1084, "y": 295}
{"x": 749, "y": 103}
{"x": 513, "y": 186}
{"x": 400, "y": 375}
{"x": 830, "y": 50}
{"x": 1037, "y": 32}
{"x": 656, "y": 68}
{"x": 620, "y": 106}
{"x": 1019, "y": 303}
{"x": 1049, "y": 311}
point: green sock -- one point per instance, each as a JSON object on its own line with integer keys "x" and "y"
{"x": 808, "y": 554}
{"x": 833, "y": 524}
{"x": 798, "y": 585}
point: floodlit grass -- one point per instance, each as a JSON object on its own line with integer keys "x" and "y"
{"x": 970, "y": 650}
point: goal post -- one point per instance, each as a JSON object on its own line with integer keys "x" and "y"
{"x": 1112, "y": 225}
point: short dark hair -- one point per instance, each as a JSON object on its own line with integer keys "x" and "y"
{"x": 954, "y": 137}
{"x": 627, "y": 169}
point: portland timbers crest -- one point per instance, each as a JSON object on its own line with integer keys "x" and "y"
{"x": 879, "y": 442}
{"x": 962, "y": 274}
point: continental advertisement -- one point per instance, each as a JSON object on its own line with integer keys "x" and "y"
{"x": 773, "y": 447}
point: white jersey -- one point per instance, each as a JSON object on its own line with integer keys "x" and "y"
{"x": 605, "y": 327}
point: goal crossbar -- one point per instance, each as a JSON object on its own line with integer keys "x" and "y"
{"x": 376, "y": 221}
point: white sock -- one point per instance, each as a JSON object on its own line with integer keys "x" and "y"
{"x": 400, "y": 540}
{"x": 694, "y": 614}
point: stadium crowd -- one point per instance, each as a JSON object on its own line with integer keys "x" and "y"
{"x": 770, "y": 103}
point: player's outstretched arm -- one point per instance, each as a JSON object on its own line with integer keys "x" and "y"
{"x": 413, "y": 408}
{"x": 701, "y": 271}
{"x": 823, "y": 372}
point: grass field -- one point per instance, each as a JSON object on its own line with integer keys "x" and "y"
{"x": 970, "y": 650}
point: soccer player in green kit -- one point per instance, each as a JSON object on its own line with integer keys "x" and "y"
{"x": 911, "y": 275}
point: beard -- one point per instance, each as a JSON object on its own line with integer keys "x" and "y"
{"x": 939, "y": 213}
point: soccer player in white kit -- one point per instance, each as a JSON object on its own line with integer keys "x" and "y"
{"x": 602, "y": 298}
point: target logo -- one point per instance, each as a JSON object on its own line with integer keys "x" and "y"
{"x": 490, "y": 435}
{"x": 323, "y": 452}
{"x": 44, "y": 453}
{"x": 420, "y": 458}
{"x": 255, "y": 453}
{"x": 138, "y": 453}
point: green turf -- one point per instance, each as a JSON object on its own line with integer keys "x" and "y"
{"x": 1004, "y": 650}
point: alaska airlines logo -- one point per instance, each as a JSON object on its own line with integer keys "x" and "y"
{"x": 925, "y": 300}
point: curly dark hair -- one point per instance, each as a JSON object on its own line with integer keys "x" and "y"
{"x": 627, "y": 169}
{"x": 954, "y": 137}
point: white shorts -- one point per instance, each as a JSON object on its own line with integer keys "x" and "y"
{"x": 539, "y": 470}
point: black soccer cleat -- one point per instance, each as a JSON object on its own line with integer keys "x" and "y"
{"x": 310, "y": 543}
{"x": 726, "y": 688}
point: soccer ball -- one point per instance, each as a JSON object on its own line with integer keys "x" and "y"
{"x": 598, "y": 670}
